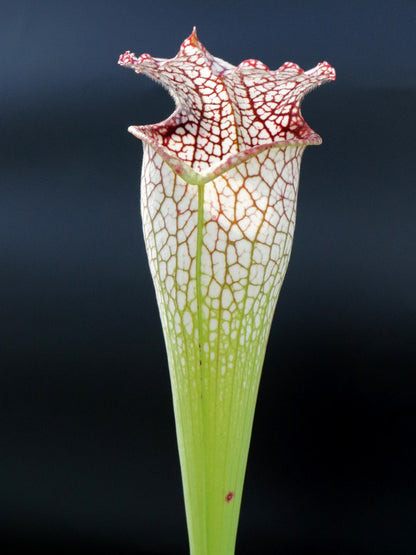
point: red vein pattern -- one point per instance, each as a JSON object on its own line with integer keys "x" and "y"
{"x": 223, "y": 110}
{"x": 218, "y": 200}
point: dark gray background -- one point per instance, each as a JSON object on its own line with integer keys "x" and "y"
{"x": 88, "y": 455}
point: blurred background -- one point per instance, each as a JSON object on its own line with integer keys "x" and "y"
{"x": 88, "y": 454}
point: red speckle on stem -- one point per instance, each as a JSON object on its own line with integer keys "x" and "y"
{"x": 229, "y": 496}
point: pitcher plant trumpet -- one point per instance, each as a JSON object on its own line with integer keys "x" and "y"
{"x": 218, "y": 202}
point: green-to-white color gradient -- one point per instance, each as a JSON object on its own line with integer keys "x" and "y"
{"x": 218, "y": 254}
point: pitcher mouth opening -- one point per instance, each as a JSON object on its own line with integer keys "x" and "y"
{"x": 201, "y": 177}
{"x": 224, "y": 113}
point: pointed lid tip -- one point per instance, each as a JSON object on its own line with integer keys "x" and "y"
{"x": 193, "y": 39}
